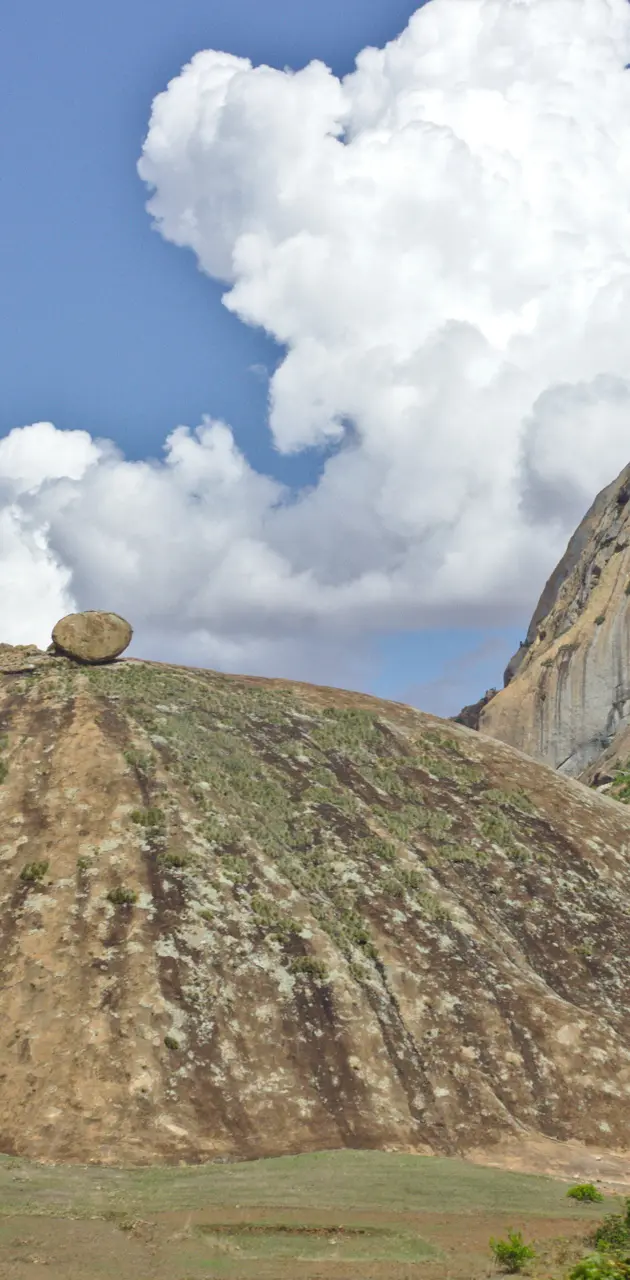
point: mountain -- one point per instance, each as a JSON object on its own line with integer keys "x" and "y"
{"x": 243, "y": 917}
{"x": 567, "y": 689}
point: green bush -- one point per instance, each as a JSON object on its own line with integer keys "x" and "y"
{"x": 309, "y": 966}
{"x": 613, "y": 1232}
{"x": 173, "y": 860}
{"x": 138, "y": 760}
{"x": 600, "y": 1266}
{"x": 513, "y": 1253}
{"x": 34, "y": 872}
{"x": 171, "y": 1042}
{"x": 601, "y": 617}
{"x": 122, "y": 897}
{"x": 152, "y": 817}
{"x": 585, "y": 1190}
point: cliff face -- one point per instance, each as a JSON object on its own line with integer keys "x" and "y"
{"x": 243, "y": 917}
{"x": 567, "y": 689}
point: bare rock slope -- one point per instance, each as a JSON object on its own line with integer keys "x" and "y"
{"x": 567, "y": 689}
{"x": 244, "y": 916}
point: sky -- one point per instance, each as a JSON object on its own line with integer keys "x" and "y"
{"x": 315, "y": 330}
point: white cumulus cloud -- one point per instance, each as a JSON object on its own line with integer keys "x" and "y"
{"x": 440, "y": 242}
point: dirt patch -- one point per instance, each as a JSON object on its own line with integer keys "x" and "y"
{"x": 194, "y": 1245}
{"x": 572, "y": 1161}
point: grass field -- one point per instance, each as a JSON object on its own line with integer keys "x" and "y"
{"x": 348, "y": 1214}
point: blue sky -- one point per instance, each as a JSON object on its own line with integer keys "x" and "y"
{"x": 108, "y": 328}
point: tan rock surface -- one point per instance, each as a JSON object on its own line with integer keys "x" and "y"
{"x": 19, "y": 657}
{"x": 569, "y": 688}
{"x": 335, "y": 922}
{"x": 94, "y": 636}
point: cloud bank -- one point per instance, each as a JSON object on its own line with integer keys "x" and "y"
{"x": 440, "y": 242}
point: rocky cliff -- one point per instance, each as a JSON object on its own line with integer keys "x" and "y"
{"x": 567, "y": 688}
{"x": 243, "y": 917}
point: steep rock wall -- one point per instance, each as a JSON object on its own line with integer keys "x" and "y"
{"x": 567, "y": 688}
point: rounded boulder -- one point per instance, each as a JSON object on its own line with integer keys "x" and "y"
{"x": 92, "y": 637}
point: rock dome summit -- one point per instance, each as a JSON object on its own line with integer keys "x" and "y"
{"x": 244, "y": 917}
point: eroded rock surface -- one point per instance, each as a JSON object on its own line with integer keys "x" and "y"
{"x": 93, "y": 636}
{"x": 16, "y": 658}
{"x": 243, "y": 917}
{"x": 567, "y": 689}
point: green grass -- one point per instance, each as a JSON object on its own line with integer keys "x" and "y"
{"x": 337, "y": 1180}
{"x": 346, "y": 1242}
{"x": 276, "y": 1219}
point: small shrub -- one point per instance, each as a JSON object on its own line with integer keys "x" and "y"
{"x": 34, "y": 872}
{"x": 392, "y": 887}
{"x": 152, "y": 817}
{"x": 375, "y": 846}
{"x": 237, "y": 869}
{"x": 4, "y": 771}
{"x": 613, "y": 1231}
{"x": 138, "y": 760}
{"x": 628, "y": 588}
{"x": 585, "y": 949}
{"x": 83, "y": 863}
{"x": 601, "y": 617}
{"x": 513, "y": 1253}
{"x": 269, "y": 916}
{"x": 173, "y": 860}
{"x": 171, "y": 1042}
{"x": 585, "y": 1190}
{"x": 121, "y": 896}
{"x": 309, "y": 966}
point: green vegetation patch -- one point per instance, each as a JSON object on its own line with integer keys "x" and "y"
{"x": 310, "y": 1242}
{"x": 341, "y": 802}
{"x": 122, "y": 897}
{"x": 586, "y": 1192}
{"x": 152, "y": 818}
{"x": 344, "y": 1181}
{"x": 309, "y": 967}
{"x": 142, "y": 761}
{"x": 270, "y": 916}
{"x": 34, "y": 872}
{"x": 620, "y": 788}
{"x": 513, "y": 1253}
{"x": 613, "y": 1233}
{"x": 173, "y": 861}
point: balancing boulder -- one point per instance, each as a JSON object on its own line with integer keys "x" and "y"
{"x": 92, "y": 637}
